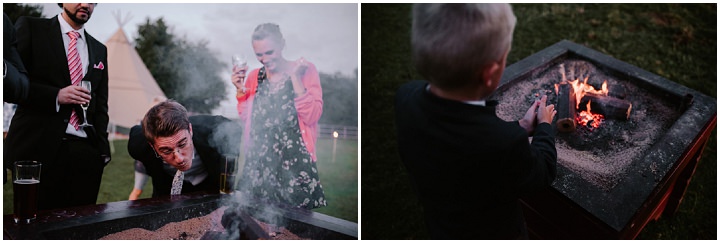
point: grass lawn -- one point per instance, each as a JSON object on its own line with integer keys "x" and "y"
{"x": 339, "y": 179}
{"x": 676, "y": 41}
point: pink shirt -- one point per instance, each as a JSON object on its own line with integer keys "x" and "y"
{"x": 309, "y": 107}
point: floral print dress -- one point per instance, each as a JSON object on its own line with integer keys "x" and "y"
{"x": 278, "y": 167}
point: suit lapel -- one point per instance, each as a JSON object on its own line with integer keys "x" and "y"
{"x": 92, "y": 56}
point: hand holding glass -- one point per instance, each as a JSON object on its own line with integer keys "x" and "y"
{"x": 239, "y": 61}
{"x": 85, "y": 84}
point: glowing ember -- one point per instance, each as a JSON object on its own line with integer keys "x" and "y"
{"x": 587, "y": 118}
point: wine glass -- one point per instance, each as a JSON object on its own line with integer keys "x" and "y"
{"x": 84, "y": 106}
{"x": 239, "y": 61}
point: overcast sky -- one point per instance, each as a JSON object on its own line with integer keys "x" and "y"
{"x": 325, "y": 34}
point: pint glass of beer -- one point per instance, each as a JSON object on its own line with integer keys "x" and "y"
{"x": 26, "y": 185}
{"x": 228, "y": 171}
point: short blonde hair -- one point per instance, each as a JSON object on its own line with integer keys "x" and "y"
{"x": 270, "y": 30}
{"x": 451, "y": 41}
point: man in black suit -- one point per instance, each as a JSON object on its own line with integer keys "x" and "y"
{"x": 169, "y": 143}
{"x": 44, "y": 127}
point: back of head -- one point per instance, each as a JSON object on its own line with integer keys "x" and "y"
{"x": 451, "y": 42}
{"x": 268, "y": 30}
{"x": 165, "y": 119}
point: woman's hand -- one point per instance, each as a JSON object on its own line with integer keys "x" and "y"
{"x": 238, "y": 76}
{"x": 297, "y": 72}
{"x": 135, "y": 194}
{"x": 298, "y": 68}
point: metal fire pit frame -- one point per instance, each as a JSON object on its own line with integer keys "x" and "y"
{"x": 95, "y": 221}
{"x": 588, "y": 212}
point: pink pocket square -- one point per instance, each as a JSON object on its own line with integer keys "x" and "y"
{"x": 99, "y": 66}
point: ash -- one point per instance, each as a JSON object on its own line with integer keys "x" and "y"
{"x": 602, "y": 155}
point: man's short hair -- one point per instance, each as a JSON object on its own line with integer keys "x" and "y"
{"x": 451, "y": 42}
{"x": 164, "y": 120}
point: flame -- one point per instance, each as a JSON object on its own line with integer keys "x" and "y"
{"x": 582, "y": 88}
{"x": 586, "y": 118}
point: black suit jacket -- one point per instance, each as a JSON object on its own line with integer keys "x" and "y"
{"x": 213, "y": 136}
{"x": 37, "y": 129}
{"x": 15, "y": 81}
{"x": 468, "y": 166}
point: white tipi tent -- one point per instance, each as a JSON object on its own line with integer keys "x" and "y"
{"x": 132, "y": 89}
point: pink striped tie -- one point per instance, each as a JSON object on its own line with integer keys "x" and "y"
{"x": 75, "y": 66}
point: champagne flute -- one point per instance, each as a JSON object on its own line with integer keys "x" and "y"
{"x": 85, "y": 84}
{"x": 239, "y": 61}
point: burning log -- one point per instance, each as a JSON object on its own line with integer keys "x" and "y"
{"x": 565, "y": 108}
{"x": 609, "y": 106}
{"x": 617, "y": 91}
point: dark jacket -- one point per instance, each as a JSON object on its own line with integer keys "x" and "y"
{"x": 213, "y": 136}
{"x": 37, "y": 129}
{"x": 468, "y": 166}
{"x": 15, "y": 79}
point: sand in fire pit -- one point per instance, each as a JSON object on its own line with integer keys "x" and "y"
{"x": 600, "y": 156}
{"x": 191, "y": 229}
{"x": 283, "y": 234}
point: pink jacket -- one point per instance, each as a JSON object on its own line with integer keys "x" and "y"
{"x": 309, "y": 107}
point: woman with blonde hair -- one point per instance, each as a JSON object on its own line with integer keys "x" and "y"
{"x": 280, "y": 105}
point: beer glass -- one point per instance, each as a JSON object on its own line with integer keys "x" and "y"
{"x": 26, "y": 185}
{"x": 228, "y": 173}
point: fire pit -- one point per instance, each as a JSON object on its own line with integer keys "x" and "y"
{"x": 97, "y": 221}
{"x": 626, "y": 151}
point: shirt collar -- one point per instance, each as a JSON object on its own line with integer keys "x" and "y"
{"x": 65, "y": 27}
{"x": 472, "y": 102}
{"x": 475, "y": 102}
{"x": 195, "y": 175}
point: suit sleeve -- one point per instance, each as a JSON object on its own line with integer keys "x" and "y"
{"x": 539, "y": 166}
{"x": 41, "y": 97}
{"x": 15, "y": 79}
{"x": 223, "y": 135}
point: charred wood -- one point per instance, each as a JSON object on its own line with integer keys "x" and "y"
{"x": 610, "y": 107}
{"x": 565, "y": 108}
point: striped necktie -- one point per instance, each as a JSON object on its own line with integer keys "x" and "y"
{"x": 177, "y": 183}
{"x": 76, "y": 71}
